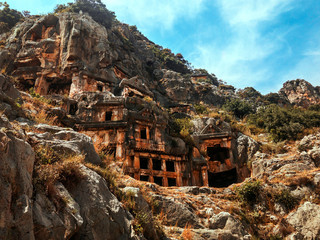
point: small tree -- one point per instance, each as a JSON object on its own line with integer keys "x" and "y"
{"x": 8, "y": 17}
{"x": 238, "y": 107}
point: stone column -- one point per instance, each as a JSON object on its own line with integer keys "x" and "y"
{"x": 136, "y": 166}
{"x": 205, "y": 179}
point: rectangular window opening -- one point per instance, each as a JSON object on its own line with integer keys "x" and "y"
{"x": 158, "y": 180}
{"x": 172, "y": 182}
{"x": 218, "y": 153}
{"x": 156, "y": 163}
{"x": 144, "y": 163}
{"x": 144, "y": 178}
{"x": 108, "y": 116}
{"x": 170, "y": 166}
{"x": 143, "y": 133}
{"x": 73, "y": 109}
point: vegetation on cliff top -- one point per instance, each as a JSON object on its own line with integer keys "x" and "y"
{"x": 95, "y": 8}
{"x": 8, "y": 17}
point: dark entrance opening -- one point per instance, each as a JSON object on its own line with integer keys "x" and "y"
{"x": 143, "y": 133}
{"x": 156, "y": 163}
{"x": 73, "y": 108}
{"x": 144, "y": 178}
{"x": 108, "y": 116}
{"x": 218, "y": 153}
{"x": 100, "y": 88}
{"x": 158, "y": 180}
{"x": 223, "y": 179}
{"x": 144, "y": 163}
{"x": 170, "y": 166}
{"x": 172, "y": 182}
{"x": 58, "y": 88}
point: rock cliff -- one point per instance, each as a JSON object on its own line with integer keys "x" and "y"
{"x": 106, "y": 125}
{"x": 300, "y": 92}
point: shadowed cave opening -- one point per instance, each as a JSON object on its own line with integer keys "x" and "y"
{"x": 223, "y": 179}
{"x": 218, "y": 153}
{"x": 73, "y": 108}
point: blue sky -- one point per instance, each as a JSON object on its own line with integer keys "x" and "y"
{"x": 254, "y": 43}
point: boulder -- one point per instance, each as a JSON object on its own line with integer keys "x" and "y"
{"x": 227, "y": 222}
{"x": 244, "y": 149}
{"x": 103, "y": 215}
{"x": 144, "y": 212}
{"x": 56, "y": 221}
{"x": 66, "y": 141}
{"x": 306, "y": 220}
{"x": 178, "y": 212}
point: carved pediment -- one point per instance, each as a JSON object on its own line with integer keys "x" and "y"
{"x": 210, "y": 128}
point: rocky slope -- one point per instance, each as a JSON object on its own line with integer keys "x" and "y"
{"x": 301, "y": 93}
{"x": 56, "y": 186}
{"x": 48, "y": 53}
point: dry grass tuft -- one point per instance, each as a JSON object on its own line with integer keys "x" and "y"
{"x": 51, "y": 167}
{"x": 187, "y": 233}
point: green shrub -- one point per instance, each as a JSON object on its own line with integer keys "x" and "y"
{"x": 170, "y": 60}
{"x": 285, "y": 198}
{"x": 182, "y": 127}
{"x": 249, "y": 92}
{"x": 249, "y": 192}
{"x": 315, "y": 107}
{"x": 284, "y": 123}
{"x": 8, "y": 17}
{"x": 201, "y": 109}
{"x": 238, "y": 107}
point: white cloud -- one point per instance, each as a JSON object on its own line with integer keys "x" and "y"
{"x": 307, "y": 68}
{"x": 240, "y": 61}
{"x": 252, "y": 11}
{"x": 154, "y": 13}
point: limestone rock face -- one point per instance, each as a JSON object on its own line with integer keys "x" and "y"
{"x": 103, "y": 216}
{"x": 244, "y": 150}
{"x": 53, "y": 223}
{"x": 311, "y": 145}
{"x": 7, "y": 89}
{"x": 266, "y": 165}
{"x": 10, "y": 97}
{"x": 178, "y": 213}
{"x": 66, "y": 141}
{"x": 179, "y": 87}
{"x": 228, "y": 223}
{"x": 17, "y": 159}
{"x": 143, "y": 209}
{"x": 69, "y": 53}
{"x": 306, "y": 220}
{"x": 300, "y": 92}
